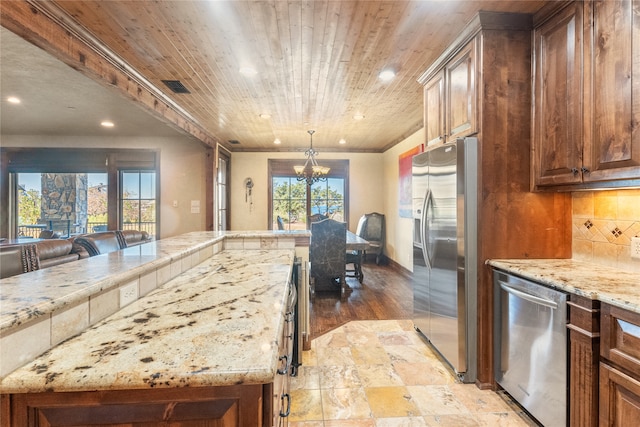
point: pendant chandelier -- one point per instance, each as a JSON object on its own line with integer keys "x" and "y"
{"x": 311, "y": 172}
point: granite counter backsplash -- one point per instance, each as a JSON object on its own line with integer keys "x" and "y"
{"x": 606, "y": 284}
{"x": 216, "y": 324}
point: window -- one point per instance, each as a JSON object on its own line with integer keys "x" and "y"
{"x": 138, "y": 201}
{"x": 74, "y": 187}
{"x": 291, "y": 200}
{"x": 222, "y": 192}
{"x": 65, "y": 203}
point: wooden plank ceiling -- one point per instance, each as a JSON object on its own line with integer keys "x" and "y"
{"x": 317, "y": 62}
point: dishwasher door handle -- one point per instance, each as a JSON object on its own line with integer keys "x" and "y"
{"x": 526, "y": 296}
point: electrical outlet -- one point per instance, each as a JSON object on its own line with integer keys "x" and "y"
{"x": 128, "y": 293}
{"x": 635, "y": 248}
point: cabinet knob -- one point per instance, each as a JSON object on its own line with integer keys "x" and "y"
{"x": 584, "y": 170}
{"x": 574, "y": 171}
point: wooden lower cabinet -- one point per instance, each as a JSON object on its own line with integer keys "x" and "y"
{"x": 584, "y": 350}
{"x": 619, "y": 398}
{"x": 619, "y": 367}
{"x": 176, "y": 407}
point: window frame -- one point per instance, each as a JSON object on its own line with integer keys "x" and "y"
{"x": 284, "y": 168}
{"x": 72, "y": 160}
{"x": 139, "y": 199}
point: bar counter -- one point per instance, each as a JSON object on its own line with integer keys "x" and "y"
{"x": 215, "y": 276}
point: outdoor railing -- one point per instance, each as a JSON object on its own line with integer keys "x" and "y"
{"x": 33, "y": 230}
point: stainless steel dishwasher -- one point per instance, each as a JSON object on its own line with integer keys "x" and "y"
{"x": 530, "y": 346}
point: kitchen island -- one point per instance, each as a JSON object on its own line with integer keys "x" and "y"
{"x": 208, "y": 344}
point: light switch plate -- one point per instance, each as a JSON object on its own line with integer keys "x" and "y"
{"x": 635, "y": 248}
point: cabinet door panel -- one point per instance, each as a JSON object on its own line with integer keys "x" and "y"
{"x": 614, "y": 149}
{"x": 619, "y": 398}
{"x": 557, "y": 132}
{"x": 461, "y": 102}
{"x": 434, "y": 109}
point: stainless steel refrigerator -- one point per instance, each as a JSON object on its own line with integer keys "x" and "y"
{"x": 445, "y": 201}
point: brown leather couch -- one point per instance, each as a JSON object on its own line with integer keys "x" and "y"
{"x": 101, "y": 243}
{"x": 135, "y": 237}
{"x": 55, "y": 251}
{"x": 18, "y": 259}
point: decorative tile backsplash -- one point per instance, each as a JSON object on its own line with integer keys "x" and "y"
{"x": 603, "y": 224}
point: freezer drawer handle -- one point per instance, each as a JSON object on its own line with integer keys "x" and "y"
{"x": 532, "y": 298}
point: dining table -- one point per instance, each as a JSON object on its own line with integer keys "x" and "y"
{"x": 358, "y": 245}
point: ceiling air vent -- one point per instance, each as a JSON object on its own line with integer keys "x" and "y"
{"x": 176, "y": 86}
{"x": 234, "y": 141}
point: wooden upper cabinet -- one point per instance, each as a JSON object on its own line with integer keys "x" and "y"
{"x": 557, "y": 109}
{"x": 460, "y": 116}
{"x": 586, "y": 111}
{"x": 434, "y": 109}
{"x": 612, "y": 90}
{"x": 450, "y": 99}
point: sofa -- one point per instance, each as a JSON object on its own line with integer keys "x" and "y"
{"x": 101, "y": 243}
{"x": 109, "y": 241}
{"x": 18, "y": 259}
{"x": 135, "y": 237}
{"x": 55, "y": 251}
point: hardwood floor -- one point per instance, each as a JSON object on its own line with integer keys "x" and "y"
{"x": 386, "y": 293}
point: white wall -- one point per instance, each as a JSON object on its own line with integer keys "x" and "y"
{"x": 366, "y": 178}
{"x": 399, "y": 245}
{"x": 373, "y": 179}
{"x": 182, "y": 172}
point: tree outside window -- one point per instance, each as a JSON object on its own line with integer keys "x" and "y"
{"x": 138, "y": 201}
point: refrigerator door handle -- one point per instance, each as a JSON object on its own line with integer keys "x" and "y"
{"x": 424, "y": 229}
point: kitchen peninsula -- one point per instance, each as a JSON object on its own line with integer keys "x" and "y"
{"x": 208, "y": 343}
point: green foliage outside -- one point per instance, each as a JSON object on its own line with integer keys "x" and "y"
{"x": 290, "y": 200}
{"x": 28, "y": 207}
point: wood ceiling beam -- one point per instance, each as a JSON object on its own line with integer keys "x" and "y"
{"x": 45, "y": 25}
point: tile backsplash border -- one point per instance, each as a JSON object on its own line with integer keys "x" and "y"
{"x": 603, "y": 223}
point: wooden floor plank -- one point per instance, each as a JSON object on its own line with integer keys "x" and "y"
{"x": 386, "y": 293}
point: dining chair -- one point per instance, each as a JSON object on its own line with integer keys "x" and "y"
{"x": 354, "y": 258}
{"x": 280, "y": 223}
{"x": 327, "y": 249}
{"x": 373, "y": 231}
{"x": 315, "y": 218}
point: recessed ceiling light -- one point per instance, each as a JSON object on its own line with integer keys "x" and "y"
{"x": 248, "y": 71}
{"x": 358, "y": 116}
{"x": 107, "y": 124}
{"x": 277, "y": 141}
{"x": 386, "y": 75}
{"x": 265, "y": 116}
{"x": 13, "y": 100}
{"x": 342, "y": 141}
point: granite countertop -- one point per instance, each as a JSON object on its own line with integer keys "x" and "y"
{"x": 606, "y": 284}
{"x": 27, "y": 296}
{"x": 215, "y": 324}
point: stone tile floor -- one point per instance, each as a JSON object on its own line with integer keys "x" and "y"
{"x": 381, "y": 373}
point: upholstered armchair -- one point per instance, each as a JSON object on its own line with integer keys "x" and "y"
{"x": 327, "y": 250}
